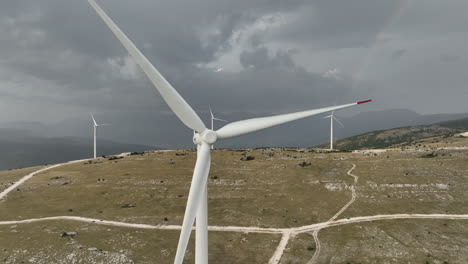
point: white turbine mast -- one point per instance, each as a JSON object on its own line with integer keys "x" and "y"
{"x": 332, "y": 117}
{"x": 95, "y": 126}
{"x": 213, "y": 118}
{"x": 203, "y": 138}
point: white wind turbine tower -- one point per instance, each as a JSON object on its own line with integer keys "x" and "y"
{"x": 203, "y": 138}
{"x": 213, "y": 118}
{"x": 332, "y": 117}
{"x": 95, "y": 126}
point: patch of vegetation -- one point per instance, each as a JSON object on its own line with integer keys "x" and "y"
{"x": 114, "y": 158}
{"x": 247, "y": 158}
{"x": 428, "y": 156}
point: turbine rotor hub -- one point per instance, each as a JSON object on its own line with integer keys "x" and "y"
{"x": 208, "y": 136}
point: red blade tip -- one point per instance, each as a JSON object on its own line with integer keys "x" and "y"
{"x": 363, "y": 102}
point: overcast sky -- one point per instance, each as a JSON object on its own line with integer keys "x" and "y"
{"x": 58, "y": 60}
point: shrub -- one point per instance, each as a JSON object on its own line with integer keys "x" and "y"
{"x": 428, "y": 156}
{"x": 247, "y": 158}
{"x": 115, "y": 158}
{"x": 304, "y": 164}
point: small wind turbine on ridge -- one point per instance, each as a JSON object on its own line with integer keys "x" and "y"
{"x": 213, "y": 118}
{"x": 332, "y": 117}
{"x": 95, "y": 126}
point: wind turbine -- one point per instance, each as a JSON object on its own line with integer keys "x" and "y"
{"x": 95, "y": 126}
{"x": 212, "y": 122}
{"x": 197, "y": 206}
{"x": 332, "y": 117}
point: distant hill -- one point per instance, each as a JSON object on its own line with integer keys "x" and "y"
{"x": 147, "y": 129}
{"x": 27, "y": 144}
{"x": 386, "y": 138}
{"x": 22, "y": 149}
{"x": 457, "y": 124}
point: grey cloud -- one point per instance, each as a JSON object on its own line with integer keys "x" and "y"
{"x": 260, "y": 58}
{"x": 59, "y": 59}
{"x": 338, "y": 24}
{"x": 398, "y": 54}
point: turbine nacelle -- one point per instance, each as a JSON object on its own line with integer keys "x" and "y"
{"x": 208, "y": 136}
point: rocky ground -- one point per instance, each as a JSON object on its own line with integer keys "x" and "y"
{"x": 274, "y": 188}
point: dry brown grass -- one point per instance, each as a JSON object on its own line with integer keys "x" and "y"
{"x": 43, "y": 243}
{"x": 270, "y": 191}
{"x": 7, "y": 178}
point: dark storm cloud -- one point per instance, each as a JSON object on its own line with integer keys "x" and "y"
{"x": 338, "y": 24}
{"x": 59, "y": 57}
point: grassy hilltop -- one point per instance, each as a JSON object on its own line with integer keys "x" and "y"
{"x": 278, "y": 188}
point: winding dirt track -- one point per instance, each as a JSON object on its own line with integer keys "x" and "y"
{"x": 29, "y": 176}
{"x": 292, "y": 231}
{"x": 280, "y": 249}
{"x": 318, "y": 246}
{"x": 286, "y": 233}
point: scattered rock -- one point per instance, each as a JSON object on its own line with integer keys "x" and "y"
{"x": 69, "y": 234}
{"x": 128, "y": 206}
{"x": 92, "y": 249}
{"x": 166, "y": 219}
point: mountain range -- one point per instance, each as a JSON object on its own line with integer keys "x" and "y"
{"x": 27, "y": 144}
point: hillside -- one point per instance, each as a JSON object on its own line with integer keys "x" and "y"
{"x": 278, "y": 192}
{"x": 456, "y": 124}
{"x": 388, "y": 138}
{"x": 401, "y": 135}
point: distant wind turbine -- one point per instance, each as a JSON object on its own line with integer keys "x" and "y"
{"x": 197, "y": 202}
{"x": 332, "y": 117}
{"x": 212, "y": 122}
{"x": 95, "y": 126}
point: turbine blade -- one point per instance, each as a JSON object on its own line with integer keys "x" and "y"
{"x": 255, "y": 124}
{"x": 178, "y": 105}
{"x": 94, "y": 120}
{"x": 104, "y": 124}
{"x": 211, "y": 113}
{"x": 220, "y": 119}
{"x": 200, "y": 176}
{"x": 338, "y": 121}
